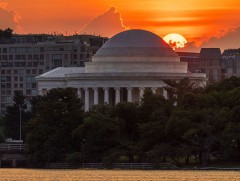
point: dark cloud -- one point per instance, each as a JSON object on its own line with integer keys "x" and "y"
{"x": 229, "y": 40}
{"x": 106, "y": 24}
{"x": 189, "y": 47}
{"x": 9, "y": 18}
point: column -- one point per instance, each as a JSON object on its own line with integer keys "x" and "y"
{"x": 106, "y": 95}
{"x": 165, "y": 93}
{"x": 141, "y": 92}
{"x": 95, "y": 101}
{"x": 40, "y": 92}
{"x": 129, "y": 94}
{"x": 86, "y": 102}
{"x": 117, "y": 95}
{"x": 79, "y": 93}
{"x": 154, "y": 90}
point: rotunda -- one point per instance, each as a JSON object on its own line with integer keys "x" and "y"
{"x": 136, "y": 51}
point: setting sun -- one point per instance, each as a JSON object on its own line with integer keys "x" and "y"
{"x": 175, "y": 40}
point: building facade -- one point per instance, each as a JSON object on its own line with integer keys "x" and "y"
{"x": 191, "y": 58}
{"x": 125, "y": 67}
{"x": 23, "y": 57}
{"x": 231, "y": 63}
{"x": 210, "y": 62}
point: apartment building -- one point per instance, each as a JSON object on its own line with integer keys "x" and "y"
{"x": 210, "y": 63}
{"x": 231, "y": 63}
{"x": 23, "y": 57}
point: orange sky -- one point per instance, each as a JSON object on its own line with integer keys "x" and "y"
{"x": 197, "y": 20}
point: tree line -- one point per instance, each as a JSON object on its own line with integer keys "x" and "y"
{"x": 193, "y": 126}
{"x": 6, "y": 33}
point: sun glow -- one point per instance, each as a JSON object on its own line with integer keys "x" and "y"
{"x": 175, "y": 40}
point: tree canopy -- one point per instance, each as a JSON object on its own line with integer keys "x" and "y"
{"x": 194, "y": 126}
{"x": 7, "y": 33}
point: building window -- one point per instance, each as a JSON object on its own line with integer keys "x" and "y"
{"x": 29, "y": 64}
{"x": 56, "y": 56}
{"x": 29, "y": 85}
{"x": 35, "y": 49}
{"x": 4, "y": 57}
{"x": 35, "y": 57}
{"x": 15, "y": 72}
{"x": 8, "y": 92}
{"x": 34, "y": 85}
{"x": 29, "y": 57}
{"x": 28, "y": 71}
{"x": 41, "y": 49}
{"x": 21, "y": 72}
{"x": 34, "y": 71}
{"x": 81, "y": 64}
{"x": 10, "y": 64}
{"x": 8, "y": 85}
{"x": 30, "y": 79}
{"x": 8, "y": 99}
{"x": 41, "y": 57}
{"x": 4, "y": 50}
{"x": 35, "y": 64}
{"x": 215, "y": 74}
{"x": 8, "y": 78}
{"x": 3, "y": 79}
{"x": 3, "y": 98}
{"x": 34, "y": 92}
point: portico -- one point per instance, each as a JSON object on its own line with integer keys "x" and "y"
{"x": 117, "y": 95}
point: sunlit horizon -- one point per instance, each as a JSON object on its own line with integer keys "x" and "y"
{"x": 201, "y": 22}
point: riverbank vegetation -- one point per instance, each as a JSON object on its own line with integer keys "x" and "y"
{"x": 195, "y": 125}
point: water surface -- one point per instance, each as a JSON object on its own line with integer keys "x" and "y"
{"x": 116, "y": 175}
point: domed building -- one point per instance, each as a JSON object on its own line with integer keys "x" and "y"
{"x": 127, "y": 65}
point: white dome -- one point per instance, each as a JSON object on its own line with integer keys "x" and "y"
{"x": 136, "y": 51}
{"x": 136, "y": 43}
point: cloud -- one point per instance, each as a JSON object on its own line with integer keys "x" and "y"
{"x": 9, "y": 18}
{"x": 231, "y": 39}
{"x": 189, "y": 47}
{"x": 107, "y": 24}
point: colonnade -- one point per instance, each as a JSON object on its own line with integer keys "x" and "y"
{"x": 84, "y": 93}
{"x": 117, "y": 95}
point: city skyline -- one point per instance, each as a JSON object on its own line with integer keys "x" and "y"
{"x": 203, "y": 23}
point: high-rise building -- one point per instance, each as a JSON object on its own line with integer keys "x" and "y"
{"x": 210, "y": 63}
{"x": 231, "y": 63}
{"x": 23, "y": 57}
